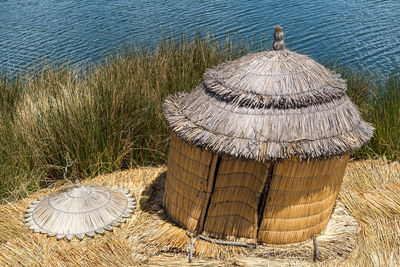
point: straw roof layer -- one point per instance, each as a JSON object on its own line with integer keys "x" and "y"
{"x": 267, "y": 106}
{"x": 80, "y": 210}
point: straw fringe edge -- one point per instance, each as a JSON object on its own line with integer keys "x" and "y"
{"x": 220, "y": 91}
{"x": 130, "y": 209}
{"x": 262, "y": 150}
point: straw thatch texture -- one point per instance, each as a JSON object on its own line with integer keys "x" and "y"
{"x": 233, "y": 207}
{"x": 267, "y": 106}
{"x": 300, "y": 200}
{"x": 80, "y": 210}
{"x": 316, "y": 131}
{"x": 187, "y": 184}
{"x": 274, "y": 79}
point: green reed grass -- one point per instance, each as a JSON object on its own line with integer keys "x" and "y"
{"x": 105, "y": 117}
{"x": 108, "y": 116}
{"x": 378, "y": 99}
{"x": 385, "y": 115}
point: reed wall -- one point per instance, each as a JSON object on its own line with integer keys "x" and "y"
{"x": 277, "y": 203}
{"x": 232, "y": 214}
{"x": 186, "y": 184}
{"x": 300, "y": 199}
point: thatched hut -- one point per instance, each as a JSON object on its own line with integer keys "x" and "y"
{"x": 259, "y": 149}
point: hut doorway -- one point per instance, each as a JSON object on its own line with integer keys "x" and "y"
{"x": 264, "y": 195}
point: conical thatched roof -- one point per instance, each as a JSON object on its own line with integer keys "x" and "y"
{"x": 80, "y": 210}
{"x": 267, "y": 106}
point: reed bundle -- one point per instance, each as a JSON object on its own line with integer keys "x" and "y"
{"x": 301, "y": 198}
{"x": 234, "y": 202}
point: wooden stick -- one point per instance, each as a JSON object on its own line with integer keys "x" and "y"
{"x": 230, "y": 243}
{"x": 191, "y": 249}
{"x": 316, "y": 252}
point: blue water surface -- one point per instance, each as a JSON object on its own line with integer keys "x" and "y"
{"x": 355, "y": 32}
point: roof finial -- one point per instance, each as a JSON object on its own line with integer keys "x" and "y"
{"x": 278, "y": 44}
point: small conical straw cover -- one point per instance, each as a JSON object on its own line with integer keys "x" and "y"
{"x": 80, "y": 210}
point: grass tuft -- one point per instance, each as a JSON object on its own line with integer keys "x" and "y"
{"x": 108, "y": 116}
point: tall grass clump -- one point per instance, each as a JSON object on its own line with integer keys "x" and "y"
{"x": 385, "y": 116}
{"x": 361, "y": 88}
{"x": 104, "y": 117}
{"x": 108, "y": 116}
{"x": 378, "y": 99}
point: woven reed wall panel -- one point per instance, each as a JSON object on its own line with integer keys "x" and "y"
{"x": 300, "y": 199}
{"x": 186, "y": 183}
{"x": 232, "y": 213}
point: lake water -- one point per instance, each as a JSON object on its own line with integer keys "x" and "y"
{"x": 356, "y": 32}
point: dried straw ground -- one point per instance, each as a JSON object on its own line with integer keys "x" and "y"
{"x": 370, "y": 192}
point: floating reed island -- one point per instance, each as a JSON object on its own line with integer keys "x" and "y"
{"x": 259, "y": 149}
{"x": 369, "y": 193}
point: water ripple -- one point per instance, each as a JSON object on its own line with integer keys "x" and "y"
{"x": 364, "y": 32}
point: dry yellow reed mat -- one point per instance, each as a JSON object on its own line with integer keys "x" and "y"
{"x": 370, "y": 191}
{"x": 301, "y": 197}
{"x": 234, "y": 202}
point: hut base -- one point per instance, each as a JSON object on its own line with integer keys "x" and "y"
{"x": 335, "y": 243}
